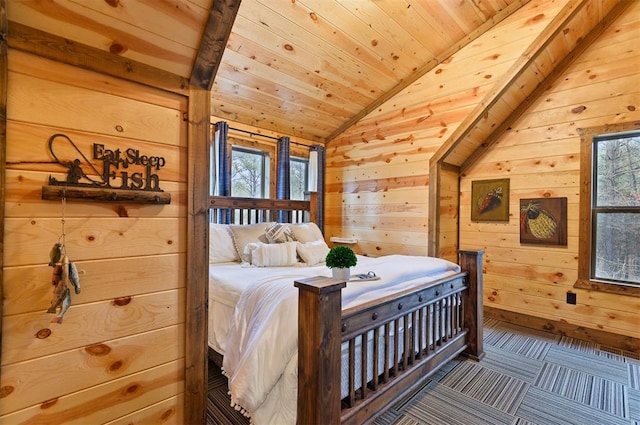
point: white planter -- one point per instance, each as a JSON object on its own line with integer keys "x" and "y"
{"x": 341, "y": 274}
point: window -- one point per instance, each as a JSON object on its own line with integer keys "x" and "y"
{"x": 299, "y": 177}
{"x": 609, "y": 258}
{"x": 249, "y": 173}
{"x": 251, "y": 167}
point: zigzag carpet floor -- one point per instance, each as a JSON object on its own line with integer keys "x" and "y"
{"x": 527, "y": 377}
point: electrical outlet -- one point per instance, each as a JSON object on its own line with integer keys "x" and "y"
{"x": 571, "y": 298}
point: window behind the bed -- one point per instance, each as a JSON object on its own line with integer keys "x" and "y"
{"x": 250, "y": 174}
{"x": 299, "y": 176}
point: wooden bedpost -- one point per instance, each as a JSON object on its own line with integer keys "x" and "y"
{"x": 312, "y": 214}
{"x": 471, "y": 262}
{"x": 319, "y": 338}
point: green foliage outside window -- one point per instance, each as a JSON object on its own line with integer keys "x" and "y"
{"x": 616, "y": 208}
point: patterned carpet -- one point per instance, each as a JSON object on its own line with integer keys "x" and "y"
{"x": 527, "y": 377}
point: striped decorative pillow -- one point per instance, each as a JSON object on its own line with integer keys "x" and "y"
{"x": 279, "y": 233}
{"x": 271, "y": 255}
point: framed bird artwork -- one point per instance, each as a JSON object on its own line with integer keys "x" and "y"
{"x": 490, "y": 200}
{"x": 543, "y": 221}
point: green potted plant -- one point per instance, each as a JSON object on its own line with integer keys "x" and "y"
{"x": 340, "y": 259}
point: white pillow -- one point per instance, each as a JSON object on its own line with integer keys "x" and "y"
{"x": 306, "y": 232}
{"x": 314, "y": 252}
{"x": 244, "y": 234}
{"x": 221, "y": 248}
{"x": 279, "y": 232}
{"x": 271, "y": 255}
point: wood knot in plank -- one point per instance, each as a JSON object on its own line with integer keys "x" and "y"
{"x": 98, "y": 350}
{"x": 166, "y": 415}
{"x": 43, "y": 333}
{"x": 49, "y": 403}
{"x": 579, "y": 109}
{"x": 115, "y": 366}
{"x": 132, "y": 389}
{"x": 117, "y": 48}
{"x": 121, "y": 302}
{"x": 6, "y": 391}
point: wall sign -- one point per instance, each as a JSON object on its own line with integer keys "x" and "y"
{"x": 126, "y": 175}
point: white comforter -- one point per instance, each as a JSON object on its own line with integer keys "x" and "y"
{"x": 261, "y": 351}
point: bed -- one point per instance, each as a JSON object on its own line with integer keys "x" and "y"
{"x": 300, "y": 346}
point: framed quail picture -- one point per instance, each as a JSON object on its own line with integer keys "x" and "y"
{"x": 490, "y": 200}
{"x": 543, "y": 221}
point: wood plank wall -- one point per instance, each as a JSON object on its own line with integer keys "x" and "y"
{"x": 540, "y": 154}
{"x": 378, "y": 171}
{"x": 119, "y": 353}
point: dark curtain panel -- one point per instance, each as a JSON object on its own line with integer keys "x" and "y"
{"x": 283, "y": 181}
{"x": 321, "y": 166}
{"x": 224, "y": 175}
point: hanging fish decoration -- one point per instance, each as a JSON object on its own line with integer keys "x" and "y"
{"x": 491, "y": 200}
{"x": 64, "y": 272}
{"x": 74, "y": 277}
{"x": 64, "y": 302}
{"x": 56, "y": 275}
{"x": 55, "y": 254}
{"x": 60, "y": 292}
{"x": 537, "y": 221}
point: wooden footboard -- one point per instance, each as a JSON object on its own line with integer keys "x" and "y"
{"x": 394, "y": 345}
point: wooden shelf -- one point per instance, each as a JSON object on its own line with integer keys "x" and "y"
{"x": 54, "y": 192}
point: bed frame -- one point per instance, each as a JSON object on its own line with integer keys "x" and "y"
{"x": 445, "y": 317}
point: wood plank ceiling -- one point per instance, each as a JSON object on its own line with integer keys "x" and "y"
{"x": 306, "y": 68}
{"x": 311, "y": 68}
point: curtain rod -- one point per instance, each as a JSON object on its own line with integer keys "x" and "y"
{"x": 251, "y": 133}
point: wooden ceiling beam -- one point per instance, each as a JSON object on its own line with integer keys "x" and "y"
{"x": 509, "y": 84}
{"x": 526, "y": 63}
{"x": 562, "y": 66}
{"x": 486, "y": 26}
{"x": 60, "y": 49}
{"x": 214, "y": 40}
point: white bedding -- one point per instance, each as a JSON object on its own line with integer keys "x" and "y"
{"x": 253, "y": 322}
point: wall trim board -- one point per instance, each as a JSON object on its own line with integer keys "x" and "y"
{"x": 585, "y": 214}
{"x": 50, "y": 46}
{"x": 197, "y": 260}
{"x": 4, "y": 70}
{"x": 607, "y": 339}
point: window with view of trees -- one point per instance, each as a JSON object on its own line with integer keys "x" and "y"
{"x": 299, "y": 177}
{"x": 610, "y": 209}
{"x": 249, "y": 173}
{"x": 616, "y": 208}
{"x": 252, "y": 169}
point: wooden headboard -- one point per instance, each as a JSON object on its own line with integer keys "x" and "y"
{"x": 228, "y": 209}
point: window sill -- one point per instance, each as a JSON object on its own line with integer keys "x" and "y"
{"x": 613, "y": 288}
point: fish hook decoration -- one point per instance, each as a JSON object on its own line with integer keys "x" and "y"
{"x": 64, "y": 273}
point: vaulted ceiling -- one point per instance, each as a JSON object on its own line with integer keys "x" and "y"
{"x": 312, "y": 67}
{"x": 306, "y": 68}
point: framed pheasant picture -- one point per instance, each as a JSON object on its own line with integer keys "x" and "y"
{"x": 543, "y": 221}
{"x": 490, "y": 200}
